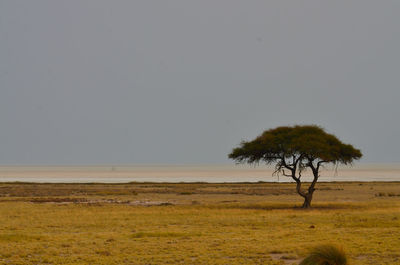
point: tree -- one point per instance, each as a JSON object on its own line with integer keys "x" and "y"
{"x": 295, "y": 149}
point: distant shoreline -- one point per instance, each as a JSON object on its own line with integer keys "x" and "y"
{"x": 189, "y": 183}
{"x": 191, "y": 174}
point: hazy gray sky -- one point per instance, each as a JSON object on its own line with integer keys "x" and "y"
{"x": 122, "y": 82}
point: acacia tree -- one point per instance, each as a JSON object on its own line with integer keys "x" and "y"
{"x": 293, "y": 150}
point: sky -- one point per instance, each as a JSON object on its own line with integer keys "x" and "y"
{"x": 87, "y": 82}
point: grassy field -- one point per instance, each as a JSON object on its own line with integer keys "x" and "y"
{"x": 144, "y": 223}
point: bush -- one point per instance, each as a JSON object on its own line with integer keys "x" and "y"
{"x": 325, "y": 255}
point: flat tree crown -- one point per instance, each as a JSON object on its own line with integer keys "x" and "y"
{"x": 310, "y": 142}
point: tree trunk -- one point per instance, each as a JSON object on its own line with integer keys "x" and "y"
{"x": 308, "y": 197}
{"x": 309, "y": 194}
{"x": 307, "y": 201}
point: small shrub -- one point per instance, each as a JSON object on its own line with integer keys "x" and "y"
{"x": 157, "y": 234}
{"x": 289, "y": 257}
{"x": 186, "y": 193}
{"x": 103, "y": 253}
{"x": 325, "y": 188}
{"x": 165, "y": 204}
{"x": 276, "y": 251}
{"x": 325, "y": 255}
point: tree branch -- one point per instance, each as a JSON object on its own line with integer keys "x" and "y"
{"x": 286, "y": 175}
{"x": 321, "y": 162}
{"x": 298, "y": 187}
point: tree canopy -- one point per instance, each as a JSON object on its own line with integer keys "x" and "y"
{"x": 293, "y": 149}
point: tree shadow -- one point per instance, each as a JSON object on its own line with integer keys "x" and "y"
{"x": 291, "y": 206}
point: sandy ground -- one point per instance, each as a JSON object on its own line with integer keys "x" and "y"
{"x": 197, "y": 223}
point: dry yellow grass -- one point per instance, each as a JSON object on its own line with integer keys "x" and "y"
{"x": 195, "y": 223}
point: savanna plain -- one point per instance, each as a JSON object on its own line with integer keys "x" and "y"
{"x": 196, "y": 223}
